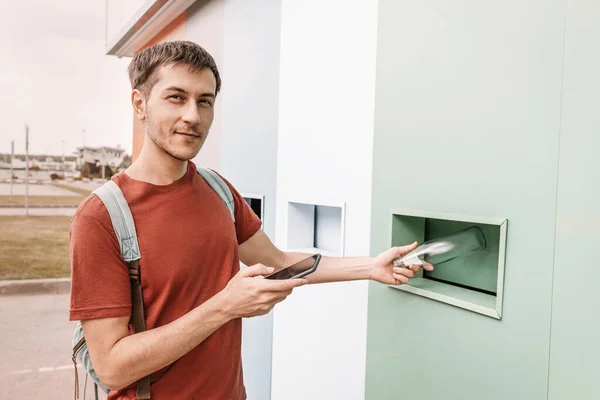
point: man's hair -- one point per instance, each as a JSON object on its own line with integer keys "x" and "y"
{"x": 143, "y": 69}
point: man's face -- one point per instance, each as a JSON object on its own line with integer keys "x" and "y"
{"x": 180, "y": 110}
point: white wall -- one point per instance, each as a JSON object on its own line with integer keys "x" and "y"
{"x": 204, "y": 25}
{"x": 248, "y": 145}
{"x": 327, "y": 84}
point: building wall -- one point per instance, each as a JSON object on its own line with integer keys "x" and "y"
{"x": 467, "y": 122}
{"x": 248, "y": 145}
{"x": 575, "y": 349}
{"x": 204, "y": 26}
{"x": 326, "y": 102}
{"x": 478, "y": 109}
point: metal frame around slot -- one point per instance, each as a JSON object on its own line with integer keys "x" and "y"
{"x": 494, "y": 312}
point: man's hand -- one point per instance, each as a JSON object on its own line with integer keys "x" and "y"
{"x": 246, "y": 295}
{"x": 384, "y": 272}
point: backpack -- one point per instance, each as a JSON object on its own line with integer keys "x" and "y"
{"x": 124, "y": 227}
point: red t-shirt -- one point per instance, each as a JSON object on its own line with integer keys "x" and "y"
{"x": 189, "y": 248}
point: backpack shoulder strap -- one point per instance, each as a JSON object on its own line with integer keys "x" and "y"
{"x": 124, "y": 226}
{"x": 121, "y": 218}
{"x": 219, "y": 186}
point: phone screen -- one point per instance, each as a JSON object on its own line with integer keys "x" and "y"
{"x": 298, "y": 269}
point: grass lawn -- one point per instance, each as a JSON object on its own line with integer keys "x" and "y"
{"x": 34, "y": 247}
{"x": 42, "y": 201}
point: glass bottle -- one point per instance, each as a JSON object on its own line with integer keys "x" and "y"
{"x": 441, "y": 250}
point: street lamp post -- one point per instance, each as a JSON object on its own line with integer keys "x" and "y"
{"x": 12, "y": 156}
{"x": 26, "y": 169}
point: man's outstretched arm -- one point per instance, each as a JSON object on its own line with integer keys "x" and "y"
{"x": 260, "y": 250}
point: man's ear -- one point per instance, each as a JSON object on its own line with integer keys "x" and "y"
{"x": 139, "y": 104}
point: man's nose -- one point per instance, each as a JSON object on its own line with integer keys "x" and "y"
{"x": 191, "y": 114}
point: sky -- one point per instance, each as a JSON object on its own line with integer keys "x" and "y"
{"x": 56, "y": 77}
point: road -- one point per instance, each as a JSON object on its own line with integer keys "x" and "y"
{"x": 35, "y": 349}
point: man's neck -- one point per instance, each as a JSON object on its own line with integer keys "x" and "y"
{"x": 155, "y": 166}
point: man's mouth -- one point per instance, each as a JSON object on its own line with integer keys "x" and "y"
{"x": 190, "y": 134}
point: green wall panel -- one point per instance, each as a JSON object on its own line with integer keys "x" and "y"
{"x": 575, "y": 345}
{"x": 467, "y": 119}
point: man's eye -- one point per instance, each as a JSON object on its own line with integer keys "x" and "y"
{"x": 176, "y": 97}
{"x": 205, "y": 102}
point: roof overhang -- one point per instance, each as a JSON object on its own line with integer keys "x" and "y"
{"x": 146, "y": 23}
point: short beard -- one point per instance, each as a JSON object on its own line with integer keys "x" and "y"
{"x": 151, "y": 128}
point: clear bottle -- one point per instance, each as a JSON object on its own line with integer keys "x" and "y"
{"x": 441, "y": 250}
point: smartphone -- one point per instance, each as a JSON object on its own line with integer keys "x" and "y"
{"x": 298, "y": 270}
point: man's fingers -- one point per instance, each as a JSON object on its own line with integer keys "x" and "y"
{"x": 401, "y": 279}
{"x": 256, "y": 270}
{"x": 414, "y": 268}
{"x": 284, "y": 284}
{"x": 417, "y": 268}
{"x": 278, "y": 300}
{"x": 279, "y": 296}
{"x": 403, "y": 250}
{"x": 407, "y": 272}
{"x": 428, "y": 267}
{"x": 274, "y": 301}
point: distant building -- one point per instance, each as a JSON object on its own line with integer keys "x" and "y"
{"x": 101, "y": 161}
{"x": 41, "y": 162}
{"x": 52, "y": 164}
{"x": 109, "y": 156}
{"x": 16, "y": 164}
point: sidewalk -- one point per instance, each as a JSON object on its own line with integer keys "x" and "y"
{"x": 35, "y": 343}
{"x": 67, "y": 211}
{"x": 35, "y": 286}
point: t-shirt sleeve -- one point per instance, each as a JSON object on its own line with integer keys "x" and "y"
{"x": 100, "y": 285}
{"x": 247, "y": 223}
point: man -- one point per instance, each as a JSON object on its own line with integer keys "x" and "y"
{"x": 194, "y": 291}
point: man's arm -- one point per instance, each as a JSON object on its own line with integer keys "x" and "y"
{"x": 121, "y": 359}
{"x": 260, "y": 250}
